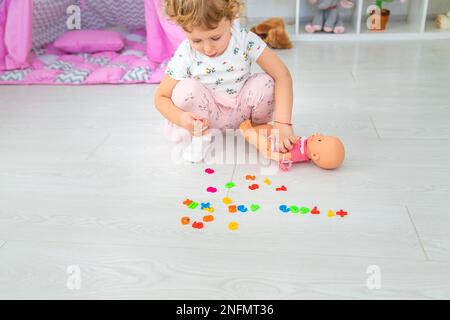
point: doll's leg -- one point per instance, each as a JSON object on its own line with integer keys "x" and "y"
{"x": 317, "y": 23}
{"x": 339, "y": 28}
{"x": 319, "y": 20}
{"x": 261, "y": 129}
{"x": 331, "y": 20}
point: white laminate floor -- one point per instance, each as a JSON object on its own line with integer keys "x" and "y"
{"x": 87, "y": 183}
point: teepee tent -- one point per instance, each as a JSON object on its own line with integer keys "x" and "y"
{"x": 28, "y": 29}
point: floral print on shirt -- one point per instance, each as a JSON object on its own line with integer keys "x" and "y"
{"x": 210, "y": 70}
{"x": 225, "y": 74}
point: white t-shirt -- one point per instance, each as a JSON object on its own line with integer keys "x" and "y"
{"x": 224, "y": 75}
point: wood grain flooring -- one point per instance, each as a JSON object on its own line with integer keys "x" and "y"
{"x": 87, "y": 180}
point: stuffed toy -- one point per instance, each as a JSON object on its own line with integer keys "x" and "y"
{"x": 328, "y": 18}
{"x": 443, "y": 21}
{"x": 326, "y": 152}
{"x": 273, "y": 33}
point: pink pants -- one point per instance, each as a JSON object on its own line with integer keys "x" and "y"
{"x": 255, "y": 101}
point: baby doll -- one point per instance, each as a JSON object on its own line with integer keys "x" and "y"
{"x": 328, "y": 18}
{"x": 327, "y": 152}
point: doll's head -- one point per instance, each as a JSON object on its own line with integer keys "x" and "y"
{"x": 327, "y": 152}
{"x": 206, "y": 23}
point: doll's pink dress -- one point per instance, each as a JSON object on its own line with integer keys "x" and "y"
{"x": 298, "y": 153}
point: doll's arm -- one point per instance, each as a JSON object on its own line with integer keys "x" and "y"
{"x": 256, "y": 135}
{"x": 277, "y": 156}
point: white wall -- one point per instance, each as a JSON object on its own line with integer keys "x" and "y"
{"x": 262, "y": 9}
{"x": 438, "y": 6}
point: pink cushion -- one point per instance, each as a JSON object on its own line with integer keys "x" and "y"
{"x": 89, "y": 41}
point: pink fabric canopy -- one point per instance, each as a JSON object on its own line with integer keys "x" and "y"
{"x": 158, "y": 27}
{"x": 16, "y": 32}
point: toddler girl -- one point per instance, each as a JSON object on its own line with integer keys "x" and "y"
{"x": 208, "y": 83}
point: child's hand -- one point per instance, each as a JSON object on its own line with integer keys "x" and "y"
{"x": 193, "y": 123}
{"x": 287, "y": 137}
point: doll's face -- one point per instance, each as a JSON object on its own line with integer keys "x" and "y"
{"x": 326, "y": 152}
{"x": 211, "y": 42}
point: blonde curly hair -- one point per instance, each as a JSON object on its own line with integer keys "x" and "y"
{"x": 202, "y": 13}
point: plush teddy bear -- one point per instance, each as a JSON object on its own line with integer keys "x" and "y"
{"x": 443, "y": 21}
{"x": 273, "y": 33}
{"x": 328, "y": 18}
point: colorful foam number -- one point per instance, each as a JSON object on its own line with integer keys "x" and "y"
{"x": 250, "y": 177}
{"x": 233, "y": 225}
{"x": 253, "y": 186}
{"x": 267, "y": 181}
{"x": 230, "y": 185}
{"x": 282, "y": 188}
{"x": 190, "y": 204}
{"x": 341, "y": 213}
{"x": 284, "y": 208}
{"x": 209, "y": 171}
{"x": 205, "y": 205}
{"x": 185, "y": 220}
{"x": 294, "y": 209}
{"x": 227, "y": 200}
{"x": 315, "y": 211}
{"x": 232, "y": 209}
{"x": 330, "y": 214}
{"x": 208, "y": 218}
{"x": 304, "y": 210}
{"x": 197, "y": 225}
{"x": 211, "y": 189}
{"x": 193, "y": 205}
{"x": 254, "y": 207}
{"x": 242, "y": 208}
{"x": 210, "y": 209}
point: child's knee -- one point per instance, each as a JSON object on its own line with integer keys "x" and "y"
{"x": 263, "y": 108}
{"x": 269, "y": 84}
{"x": 265, "y": 78}
{"x": 184, "y": 92}
{"x": 265, "y": 84}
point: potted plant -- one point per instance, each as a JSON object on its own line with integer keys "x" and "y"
{"x": 378, "y": 16}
